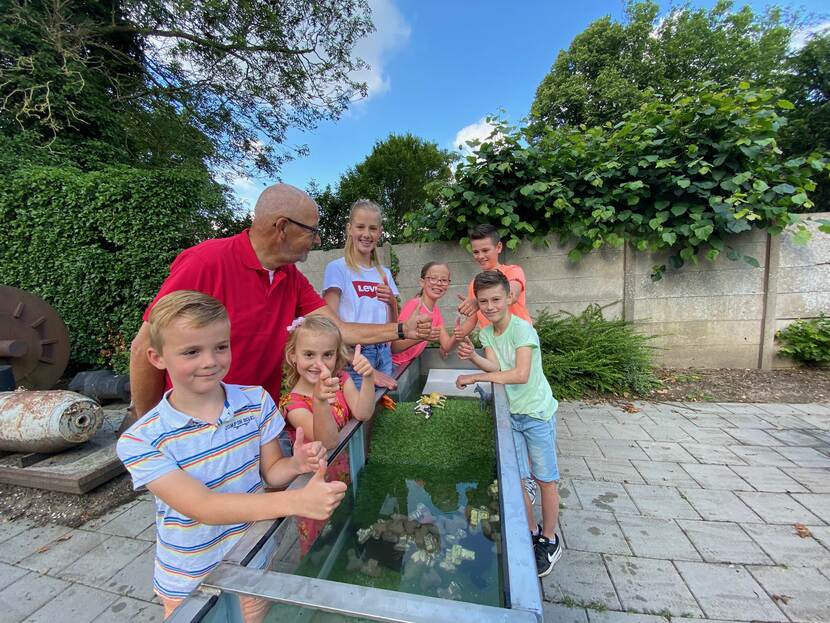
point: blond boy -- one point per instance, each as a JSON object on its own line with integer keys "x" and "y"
{"x": 208, "y": 449}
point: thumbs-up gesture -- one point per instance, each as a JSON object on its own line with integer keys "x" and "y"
{"x": 307, "y": 456}
{"x": 319, "y": 498}
{"x": 467, "y": 306}
{"x": 458, "y": 330}
{"x": 325, "y": 389}
{"x": 384, "y": 293}
{"x": 465, "y": 349}
{"x": 360, "y": 364}
{"x": 418, "y": 327}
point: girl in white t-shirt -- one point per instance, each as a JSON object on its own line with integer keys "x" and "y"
{"x": 358, "y": 288}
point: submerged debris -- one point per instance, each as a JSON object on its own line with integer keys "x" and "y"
{"x": 406, "y": 534}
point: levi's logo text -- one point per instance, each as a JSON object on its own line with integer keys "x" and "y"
{"x": 366, "y": 288}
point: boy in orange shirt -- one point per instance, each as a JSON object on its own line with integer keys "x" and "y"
{"x": 486, "y": 246}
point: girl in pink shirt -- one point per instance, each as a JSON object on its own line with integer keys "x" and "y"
{"x": 435, "y": 279}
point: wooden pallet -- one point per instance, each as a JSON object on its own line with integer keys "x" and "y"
{"x": 76, "y": 470}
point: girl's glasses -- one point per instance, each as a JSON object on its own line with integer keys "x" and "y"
{"x": 437, "y": 281}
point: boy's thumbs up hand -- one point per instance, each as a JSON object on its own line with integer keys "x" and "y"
{"x": 465, "y": 348}
{"x": 319, "y": 498}
{"x": 467, "y": 306}
{"x": 360, "y": 364}
{"x": 307, "y": 456}
{"x": 325, "y": 389}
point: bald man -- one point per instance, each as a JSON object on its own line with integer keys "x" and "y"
{"x": 254, "y": 276}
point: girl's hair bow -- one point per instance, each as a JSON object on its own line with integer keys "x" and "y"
{"x": 297, "y": 322}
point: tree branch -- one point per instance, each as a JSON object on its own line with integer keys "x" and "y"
{"x": 209, "y": 43}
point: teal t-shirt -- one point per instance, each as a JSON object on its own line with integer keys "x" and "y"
{"x": 535, "y": 397}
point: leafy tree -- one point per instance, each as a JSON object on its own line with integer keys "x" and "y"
{"x": 333, "y": 215}
{"x": 49, "y": 99}
{"x": 807, "y": 86}
{"x": 217, "y": 81}
{"x": 684, "y": 175}
{"x": 394, "y": 175}
{"x": 613, "y": 67}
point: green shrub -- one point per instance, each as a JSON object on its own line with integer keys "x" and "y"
{"x": 96, "y": 245}
{"x": 587, "y": 353}
{"x": 807, "y": 341}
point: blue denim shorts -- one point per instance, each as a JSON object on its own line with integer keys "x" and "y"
{"x": 379, "y": 355}
{"x": 535, "y": 441}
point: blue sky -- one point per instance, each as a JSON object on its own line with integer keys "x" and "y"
{"x": 439, "y": 68}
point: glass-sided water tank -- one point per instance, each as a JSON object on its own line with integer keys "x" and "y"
{"x": 432, "y": 533}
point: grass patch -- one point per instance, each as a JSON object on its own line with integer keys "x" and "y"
{"x": 455, "y": 435}
{"x": 596, "y": 606}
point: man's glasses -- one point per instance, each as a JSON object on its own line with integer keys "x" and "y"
{"x": 437, "y": 281}
{"x": 315, "y": 231}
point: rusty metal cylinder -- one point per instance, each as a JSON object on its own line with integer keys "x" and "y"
{"x": 46, "y": 421}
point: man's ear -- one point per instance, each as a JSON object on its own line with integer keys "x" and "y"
{"x": 156, "y": 359}
{"x": 499, "y": 247}
{"x": 280, "y": 225}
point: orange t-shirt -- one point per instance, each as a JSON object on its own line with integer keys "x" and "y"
{"x": 513, "y": 272}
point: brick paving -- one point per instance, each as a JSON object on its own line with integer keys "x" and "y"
{"x": 680, "y": 511}
{"x": 686, "y": 514}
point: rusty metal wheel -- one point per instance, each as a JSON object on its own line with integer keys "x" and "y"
{"x": 33, "y": 339}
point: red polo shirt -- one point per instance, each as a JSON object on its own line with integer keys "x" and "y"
{"x": 228, "y": 270}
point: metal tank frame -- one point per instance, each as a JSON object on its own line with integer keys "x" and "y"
{"x": 242, "y": 571}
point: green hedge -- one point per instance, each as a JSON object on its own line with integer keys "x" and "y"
{"x": 97, "y": 245}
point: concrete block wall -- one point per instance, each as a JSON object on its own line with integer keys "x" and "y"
{"x": 706, "y": 314}
{"x": 713, "y": 315}
{"x": 802, "y": 281}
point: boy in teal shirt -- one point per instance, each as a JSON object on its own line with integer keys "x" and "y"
{"x": 512, "y": 356}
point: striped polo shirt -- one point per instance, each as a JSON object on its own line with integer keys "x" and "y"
{"x": 224, "y": 456}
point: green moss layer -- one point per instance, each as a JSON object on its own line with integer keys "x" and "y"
{"x": 455, "y": 435}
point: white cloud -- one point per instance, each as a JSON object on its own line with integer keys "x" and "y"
{"x": 480, "y": 130}
{"x": 391, "y": 31}
{"x": 246, "y": 189}
{"x": 800, "y": 36}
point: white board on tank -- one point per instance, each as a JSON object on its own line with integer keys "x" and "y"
{"x": 443, "y": 382}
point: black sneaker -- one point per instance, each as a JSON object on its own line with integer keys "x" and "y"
{"x": 547, "y": 553}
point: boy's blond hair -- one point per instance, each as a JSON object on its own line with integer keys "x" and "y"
{"x": 197, "y": 308}
{"x": 313, "y": 324}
